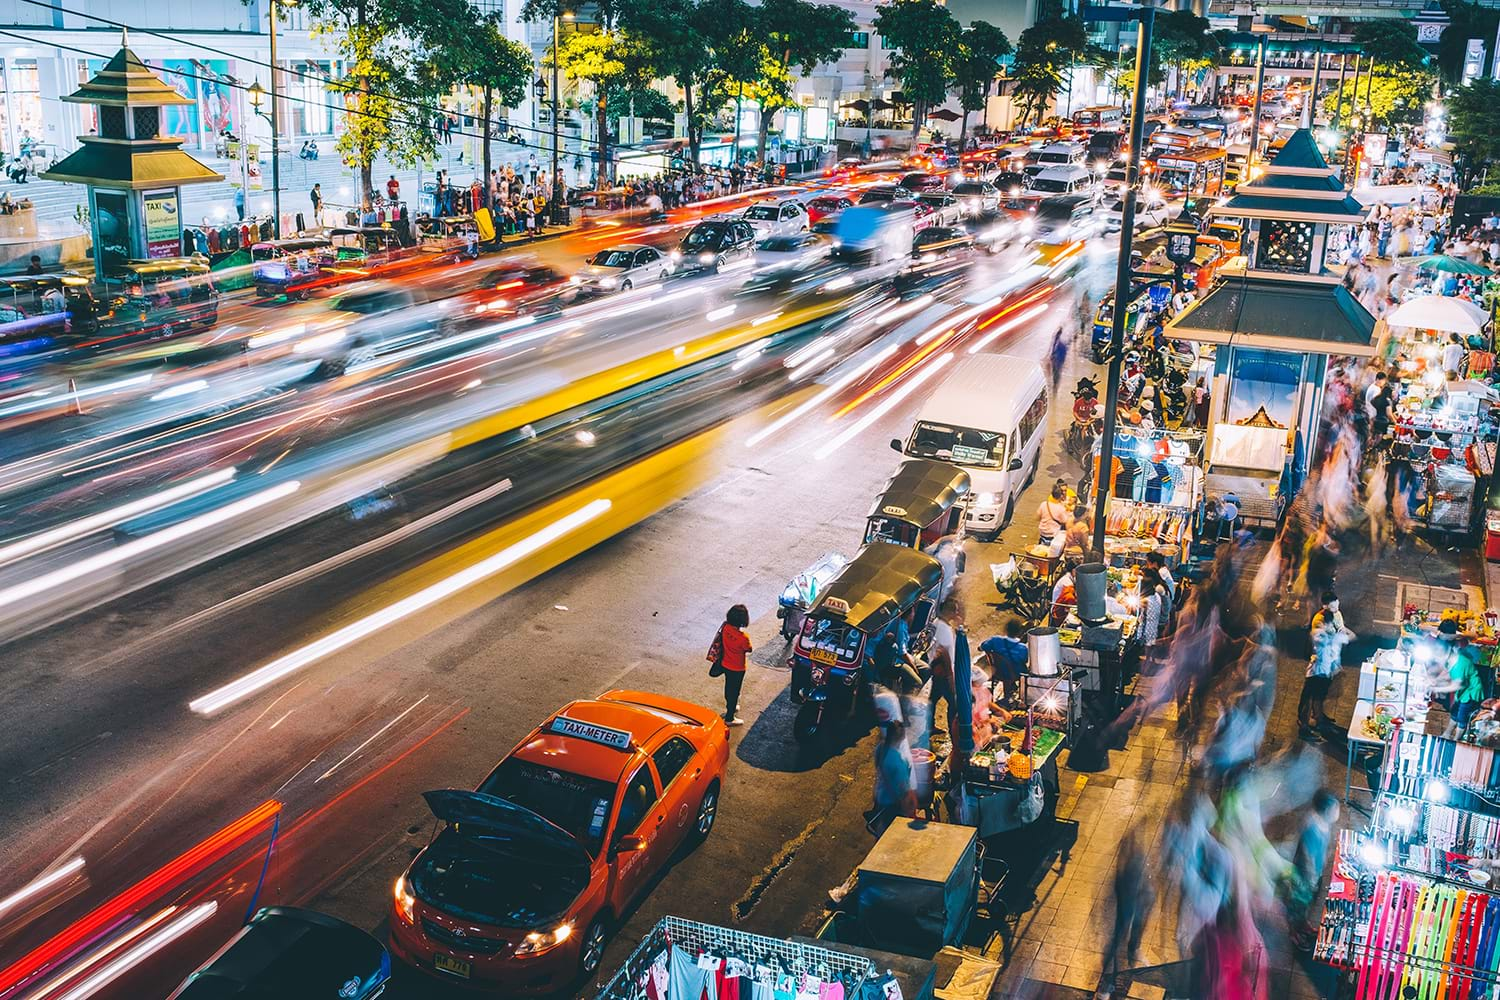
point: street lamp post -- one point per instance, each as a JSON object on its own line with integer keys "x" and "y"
{"x": 559, "y": 201}
{"x": 1145, "y": 18}
{"x": 275, "y": 134}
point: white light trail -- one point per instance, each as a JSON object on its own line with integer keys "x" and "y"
{"x": 1007, "y": 326}
{"x": 284, "y": 666}
{"x": 130, "y": 550}
{"x": 714, "y": 315}
{"x": 885, "y": 407}
{"x": 832, "y": 389}
{"x": 181, "y": 389}
{"x": 123, "y": 383}
{"x": 83, "y": 526}
{"x": 41, "y": 884}
{"x": 150, "y": 945}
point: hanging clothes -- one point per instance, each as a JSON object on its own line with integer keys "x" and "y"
{"x": 685, "y": 980}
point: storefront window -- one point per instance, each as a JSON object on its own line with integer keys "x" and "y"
{"x": 24, "y": 84}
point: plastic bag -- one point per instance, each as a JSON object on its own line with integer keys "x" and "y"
{"x": 1029, "y": 809}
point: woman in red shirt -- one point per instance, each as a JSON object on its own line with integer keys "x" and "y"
{"x": 733, "y": 645}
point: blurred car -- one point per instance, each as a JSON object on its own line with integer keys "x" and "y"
{"x": 379, "y": 318}
{"x": 826, "y": 205}
{"x": 923, "y": 214}
{"x": 930, "y": 276}
{"x": 522, "y": 884}
{"x": 884, "y": 194}
{"x": 295, "y": 954}
{"x": 946, "y": 208}
{"x": 792, "y": 247}
{"x": 711, "y": 244}
{"x": 1150, "y": 212}
{"x": 1065, "y": 218}
{"x": 376, "y": 297}
{"x": 919, "y": 182}
{"x": 621, "y": 268}
{"x": 844, "y": 169}
{"x": 977, "y": 197}
{"x": 518, "y": 286}
{"x": 777, "y": 217}
{"x": 826, "y": 226}
{"x": 1010, "y": 182}
{"x": 936, "y": 241}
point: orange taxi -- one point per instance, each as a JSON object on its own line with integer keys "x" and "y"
{"x": 522, "y": 884}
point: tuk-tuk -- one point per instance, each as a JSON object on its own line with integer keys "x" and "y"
{"x": 921, "y": 503}
{"x": 47, "y": 305}
{"x": 832, "y": 655}
{"x": 361, "y": 247}
{"x": 454, "y": 236}
{"x": 161, "y": 297}
{"x": 287, "y": 267}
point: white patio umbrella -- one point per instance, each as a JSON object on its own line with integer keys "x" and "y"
{"x": 1447, "y": 313}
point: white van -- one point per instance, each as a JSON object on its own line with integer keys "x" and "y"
{"x": 988, "y": 416}
{"x": 1063, "y": 180}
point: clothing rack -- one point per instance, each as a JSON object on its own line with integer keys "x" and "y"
{"x": 1415, "y": 758}
{"x": 754, "y": 948}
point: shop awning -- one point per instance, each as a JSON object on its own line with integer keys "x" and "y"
{"x": 1278, "y": 314}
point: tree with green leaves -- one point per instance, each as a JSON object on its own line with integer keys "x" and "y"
{"x": 1184, "y": 40}
{"x": 1466, "y": 20}
{"x": 598, "y": 57}
{"x": 500, "y": 68}
{"x": 981, "y": 46}
{"x": 794, "y": 33}
{"x": 1045, "y": 55}
{"x": 397, "y": 58}
{"x": 1393, "y": 99}
{"x": 924, "y": 38}
{"x": 1391, "y": 42}
{"x": 1474, "y": 125}
{"x": 678, "y": 35}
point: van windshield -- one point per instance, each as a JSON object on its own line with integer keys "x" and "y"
{"x": 961, "y": 445}
{"x": 1051, "y": 185}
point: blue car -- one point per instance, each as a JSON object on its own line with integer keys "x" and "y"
{"x": 293, "y": 954}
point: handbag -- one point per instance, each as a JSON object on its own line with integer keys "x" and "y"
{"x": 716, "y": 654}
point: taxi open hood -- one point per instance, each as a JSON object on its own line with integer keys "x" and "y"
{"x": 485, "y": 818}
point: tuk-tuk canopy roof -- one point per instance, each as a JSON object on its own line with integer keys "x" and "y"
{"x": 879, "y": 584}
{"x": 379, "y": 231}
{"x": 920, "y": 491}
{"x": 297, "y": 243}
{"x": 161, "y": 266}
{"x": 32, "y": 282}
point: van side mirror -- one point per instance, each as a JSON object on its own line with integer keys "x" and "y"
{"x": 895, "y": 444}
{"x": 1015, "y": 465}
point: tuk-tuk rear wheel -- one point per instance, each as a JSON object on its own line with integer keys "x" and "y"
{"x": 808, "y": 723}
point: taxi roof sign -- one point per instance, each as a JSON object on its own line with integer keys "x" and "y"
{"x": 836, "y": 605}
{"x": 603, "y": 735}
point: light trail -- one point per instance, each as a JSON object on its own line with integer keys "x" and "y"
{"x": 989, "y": 338}
{"x": 46, "y": 401}
{"x": 41, "y": 884}
{"x": 832, "y": 389}
{"x": 173, "y": 929}
{"x": 375, "y": 736}
{"x": 130, "y": 550}
{"x": 87, "y": 525}
{"x": 284, "y": 666}
{"x": 886, "y": 405}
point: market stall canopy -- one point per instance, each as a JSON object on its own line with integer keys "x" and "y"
{"x": 1450, "y": 264}
{"x": 882, "y": 105}
{"x": 1446, "y": 313}
{"x": 1297, "y": 185}
{"x": 944, "y": 115}
{"x": 1278, "y": 315}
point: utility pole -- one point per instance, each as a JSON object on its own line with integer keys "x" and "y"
{"x": 1145, "y": 18}
{"x": 558, "y": 200}
{"x": 1338, "y": 95}
{"x": 275, "y": 134}
{"x": 1312, "y": 96}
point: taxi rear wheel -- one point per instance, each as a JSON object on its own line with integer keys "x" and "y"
{"x": 708, "y": 812}
{"x": 591, "y": 951}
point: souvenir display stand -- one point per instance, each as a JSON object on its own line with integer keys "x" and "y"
{"x": 1409, "y": 902}
{"x": 723, "y": 955}
{"x": 1156, "y": 494}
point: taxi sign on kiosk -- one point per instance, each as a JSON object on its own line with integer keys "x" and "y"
{"x": 835, "y": 605}
{"x": 564, "y": 726}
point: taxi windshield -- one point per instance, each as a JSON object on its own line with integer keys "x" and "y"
{"x": 762, "y": 213}
{"x": 834, "y": 635}
{"x": 578, "y": 805}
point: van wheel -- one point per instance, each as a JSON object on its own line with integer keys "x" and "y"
{"x": 1010, "y": 510}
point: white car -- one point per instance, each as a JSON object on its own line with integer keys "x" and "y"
{"x": 622, "y": 268}
{"x": 947, "y": 210}
{"x": 777, "y": 218}
{"x": 977, "y": 197}
{"x": 1150, "y": 212}
{"x": 799, "y": 248}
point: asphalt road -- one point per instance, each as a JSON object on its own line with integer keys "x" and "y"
{"x": 106, "y": 762}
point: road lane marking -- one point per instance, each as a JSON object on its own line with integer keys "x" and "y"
{"x": 378, "y": 733}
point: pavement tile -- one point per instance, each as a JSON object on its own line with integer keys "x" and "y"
{"x": 1047, "y": 972}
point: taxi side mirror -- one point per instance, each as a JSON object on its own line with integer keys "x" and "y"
{"x": 630, "y": 842}
{"x": 895, "y": 444}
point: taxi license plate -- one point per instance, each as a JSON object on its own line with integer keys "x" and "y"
{"x": 452, "y": 966}
{"x": 827, "y": 656}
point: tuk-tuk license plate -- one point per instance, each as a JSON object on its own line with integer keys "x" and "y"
{"x": 452, "y": 966}
{"x": 827, "y": 656}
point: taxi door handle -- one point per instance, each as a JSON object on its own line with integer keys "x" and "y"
{"x": 697, "y": 772}
{"x": 660, "y": 818}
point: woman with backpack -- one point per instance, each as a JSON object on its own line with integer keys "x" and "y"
{"x": 727, "y": 654}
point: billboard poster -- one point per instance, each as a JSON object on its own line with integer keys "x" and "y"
{"x": 163, "y": 224}
{"x": 252, "y": 165}
{"x": 180, "y": 120}
{"x": 815, "y": 123}
{"x": 1264, "y": 392}
{"x": 215, "y": 96}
